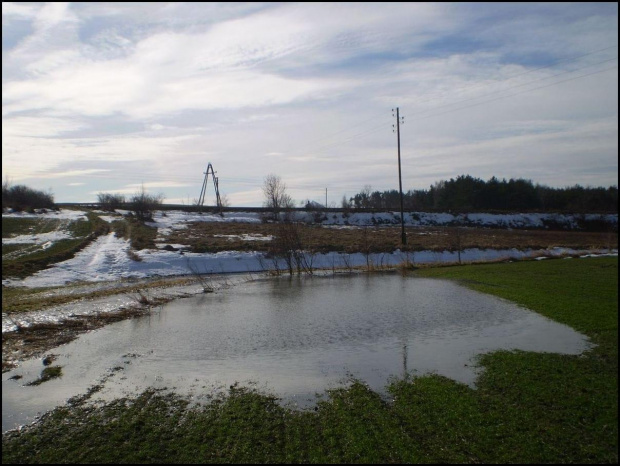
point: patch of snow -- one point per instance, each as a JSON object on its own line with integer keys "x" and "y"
{"x": 110, "y": 218}
{"x": 106, "y": 259}
{"x": 513, "y": 220}
{"x": 38, "y": 238}
{"x": 246, "y": 237}
{"x": 176, "y": 219}
{"x": 62, "y": 214}
{"x": 166, "y": 221}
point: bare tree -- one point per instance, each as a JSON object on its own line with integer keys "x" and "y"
{"x": 366, "y": 247}
{"x": 346, "y": 261}
{"x": 143, "y": 205}
{"x": 110, "y": 202}
{"x": 276, "y": 197}
{"x": 224, "y": 201}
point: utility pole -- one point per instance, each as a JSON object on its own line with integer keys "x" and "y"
{"x": 400, "y": 179}
{"x": 326, "y": 198}
{"x": 203, "y": 191}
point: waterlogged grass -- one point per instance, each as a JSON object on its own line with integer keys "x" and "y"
{"x": 528, "y": 407}
{"x": 16, "y": 300}
{"x": 582, "y": 293}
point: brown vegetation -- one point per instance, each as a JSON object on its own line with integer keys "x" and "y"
{"x": 212, "y": 237}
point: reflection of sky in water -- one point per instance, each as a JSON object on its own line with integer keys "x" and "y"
{"x": 293, "y": 337}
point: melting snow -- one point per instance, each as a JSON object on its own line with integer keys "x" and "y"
{"x": 38, "y": 238}
{"x": 106, "y": 259}
{"x": 62, "y": 214}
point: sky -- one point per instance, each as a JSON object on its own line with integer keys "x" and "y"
{"x": 116, "y": 97}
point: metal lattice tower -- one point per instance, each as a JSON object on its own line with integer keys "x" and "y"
{"x": 203, "y": 191}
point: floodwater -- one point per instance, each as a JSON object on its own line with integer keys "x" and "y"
{"x": 291, "y": 337}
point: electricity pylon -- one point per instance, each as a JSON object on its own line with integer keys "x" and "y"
{"x": 203, "y": 191}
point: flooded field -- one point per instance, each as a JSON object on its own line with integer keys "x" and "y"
{"x": 293, "y": 337}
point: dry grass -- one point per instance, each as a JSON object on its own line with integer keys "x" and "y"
{"x": 201, "y": 237}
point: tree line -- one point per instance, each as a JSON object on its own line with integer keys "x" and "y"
{"x": 466, "y": 193}
{"x": 22, "y": 198}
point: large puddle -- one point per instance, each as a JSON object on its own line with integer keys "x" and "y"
{"x": 293, "y": 337}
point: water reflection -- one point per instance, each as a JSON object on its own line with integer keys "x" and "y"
{"x": 295, "y": 337}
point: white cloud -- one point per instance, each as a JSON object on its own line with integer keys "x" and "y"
{"x": 149, "y": 187}
{"x": 20, "y": 10}
{"x": 153, "y": 92}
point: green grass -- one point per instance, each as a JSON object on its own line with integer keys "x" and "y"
{"x": 528, "y": 407}
{"x": 581, "y": 293}
{"x": 47, "y": 373}
{"x": 27, "y": 226}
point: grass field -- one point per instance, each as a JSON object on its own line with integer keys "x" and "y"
{"x": 527, "y": 408}
{"x": 215, "y": 237}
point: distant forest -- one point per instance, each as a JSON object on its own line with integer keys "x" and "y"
{"x": 466, "y": 193}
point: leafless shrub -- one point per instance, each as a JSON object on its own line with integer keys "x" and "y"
{"x": 407, "y": 264}
{"x": 110, "y": 202}
{"x": 346, "y": 261}
{"x": 203, "y": 277}
{"x": 263, "y": 259}
{"x": 140, "y": 297}
{"x": 22, "y": 198}
{"x": 289, "y": 246}
{"x": 456, "y": 234}
{"x": 143, "y": 205}
{"x": 309, "y": 259}
{"x": 366, "y": 248}
{"x": 382, "y": 261}
{"x": 261, "y": 262}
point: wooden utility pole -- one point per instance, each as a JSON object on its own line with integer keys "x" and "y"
{"x": 400, "y": 180}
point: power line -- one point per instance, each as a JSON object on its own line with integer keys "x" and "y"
{"x": 373, "y": 130}
{"x": 516, "y": 93}
{"x": 258, "y": 182}
{"x": 514, "y": 87}
{"x": 463, "y": 88}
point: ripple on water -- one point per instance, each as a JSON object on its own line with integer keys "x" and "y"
{"x": 295, "y": 337}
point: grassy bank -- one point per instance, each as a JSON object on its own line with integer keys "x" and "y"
{"x": 528, "y": 407}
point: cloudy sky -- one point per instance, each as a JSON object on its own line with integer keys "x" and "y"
{"x": 108, "y": 97}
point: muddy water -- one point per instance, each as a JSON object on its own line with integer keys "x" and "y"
{"x": 293, "y": 338}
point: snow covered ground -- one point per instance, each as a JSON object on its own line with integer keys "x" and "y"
{"x": 40, "y": 238}
{"x": 107, "y": 258}
{"x": 177, "y": 219}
